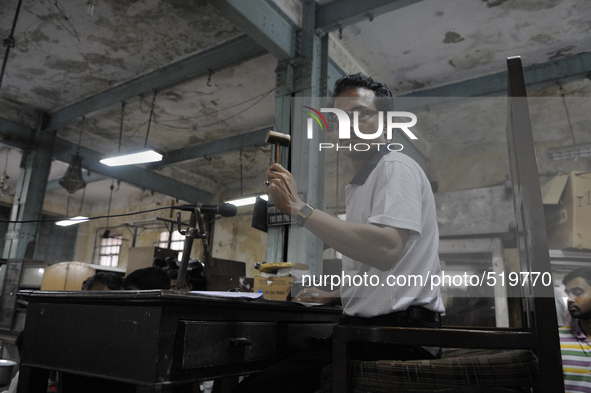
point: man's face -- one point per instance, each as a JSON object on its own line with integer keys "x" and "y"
{"x": 579, "y": 298}
{"x": 354, "y": 100}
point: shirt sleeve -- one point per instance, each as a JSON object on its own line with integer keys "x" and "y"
{"x": 397, "y": 198}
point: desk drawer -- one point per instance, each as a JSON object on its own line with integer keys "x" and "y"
{"x": 201, "y": 344}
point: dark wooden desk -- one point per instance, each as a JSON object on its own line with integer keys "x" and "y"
{"x": 156, "y": 340}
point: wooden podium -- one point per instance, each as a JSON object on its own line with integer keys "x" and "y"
{"x": 154, "y": 341}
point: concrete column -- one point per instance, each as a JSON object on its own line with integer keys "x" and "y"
{"x": 308, "y": 163}
{"x": 301, "y": 81}
{"x": 30, "y": 192}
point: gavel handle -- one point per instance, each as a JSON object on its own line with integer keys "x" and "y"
{"x": 276, "y": 153}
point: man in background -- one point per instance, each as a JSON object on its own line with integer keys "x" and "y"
{"x": 146, "y": 279}
{"x": 575, "y": 343}
{"x": 103, "y": 281}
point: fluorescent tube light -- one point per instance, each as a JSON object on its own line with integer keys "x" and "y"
{"x": 246, "y": 201}
{"x": 72, "y": 221}
{"x": 575, "y": 151}
{"x": 141, "y": 157}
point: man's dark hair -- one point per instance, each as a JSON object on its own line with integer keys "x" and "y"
{"x": 354, "y": 81}
{"x": 147, "y": 278}
{"x": 173, "y": 274}
{"x": 112, "y": 281}
{"x": 584, "y": 273}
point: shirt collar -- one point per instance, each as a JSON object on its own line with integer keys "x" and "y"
{"x": 368, "y": 166}
{"x": 577, "y": 331}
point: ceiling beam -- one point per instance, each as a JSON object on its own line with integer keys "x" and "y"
{"x": 215, "y": 148}
{"x": 338, "y": 14}
{"x": 264, "y": 22}
{"x": 16, "y": 135}
{"x": 131, "y": 174}
{"x": 536, "y": 76}
{"x": 228, "y": 54}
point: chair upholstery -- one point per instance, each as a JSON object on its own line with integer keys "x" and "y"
{"x": 459, "y": 370}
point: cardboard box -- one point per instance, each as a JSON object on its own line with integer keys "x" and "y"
{"x": 273, "y": 288}
{"x": 567, "y": 206}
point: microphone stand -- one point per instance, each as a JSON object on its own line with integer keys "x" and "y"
{"x": 191, "y": 234}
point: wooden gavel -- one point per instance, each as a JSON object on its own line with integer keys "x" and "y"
{"x": 278, "y": 139}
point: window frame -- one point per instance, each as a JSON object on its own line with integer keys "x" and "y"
{"x": 111, "y": 251}
{"x": 177, "y": 243}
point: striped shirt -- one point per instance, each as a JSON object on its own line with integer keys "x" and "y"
{"x": 576, "y": 358}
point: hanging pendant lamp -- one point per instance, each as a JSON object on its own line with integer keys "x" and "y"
{"x": 73, "y": 181}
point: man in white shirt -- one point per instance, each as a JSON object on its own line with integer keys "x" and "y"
{"x": 390, "y": 232}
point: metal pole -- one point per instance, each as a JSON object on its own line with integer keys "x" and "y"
{"x": 181, "y": 282}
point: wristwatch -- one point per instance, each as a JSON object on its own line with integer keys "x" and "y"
{"x": 304, "y": 213}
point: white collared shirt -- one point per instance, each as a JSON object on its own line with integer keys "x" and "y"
{"x": 396, "y": 193}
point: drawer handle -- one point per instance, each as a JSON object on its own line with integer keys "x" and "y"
{"x": 240, "y": 342}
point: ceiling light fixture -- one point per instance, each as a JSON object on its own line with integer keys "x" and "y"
{"x": 142, "y": 157}
{"x": 247, "y": 201}
{"x": 73, "y": 181}
{"x": 573, "y": 151}
{"x": 90, "y": 9}
{"x": 72, "y": 221}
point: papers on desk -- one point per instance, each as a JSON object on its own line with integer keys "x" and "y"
{"x": 245, "y": 296}
{"x": 310, "y": 304}
{"x": 234, "y": 295}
